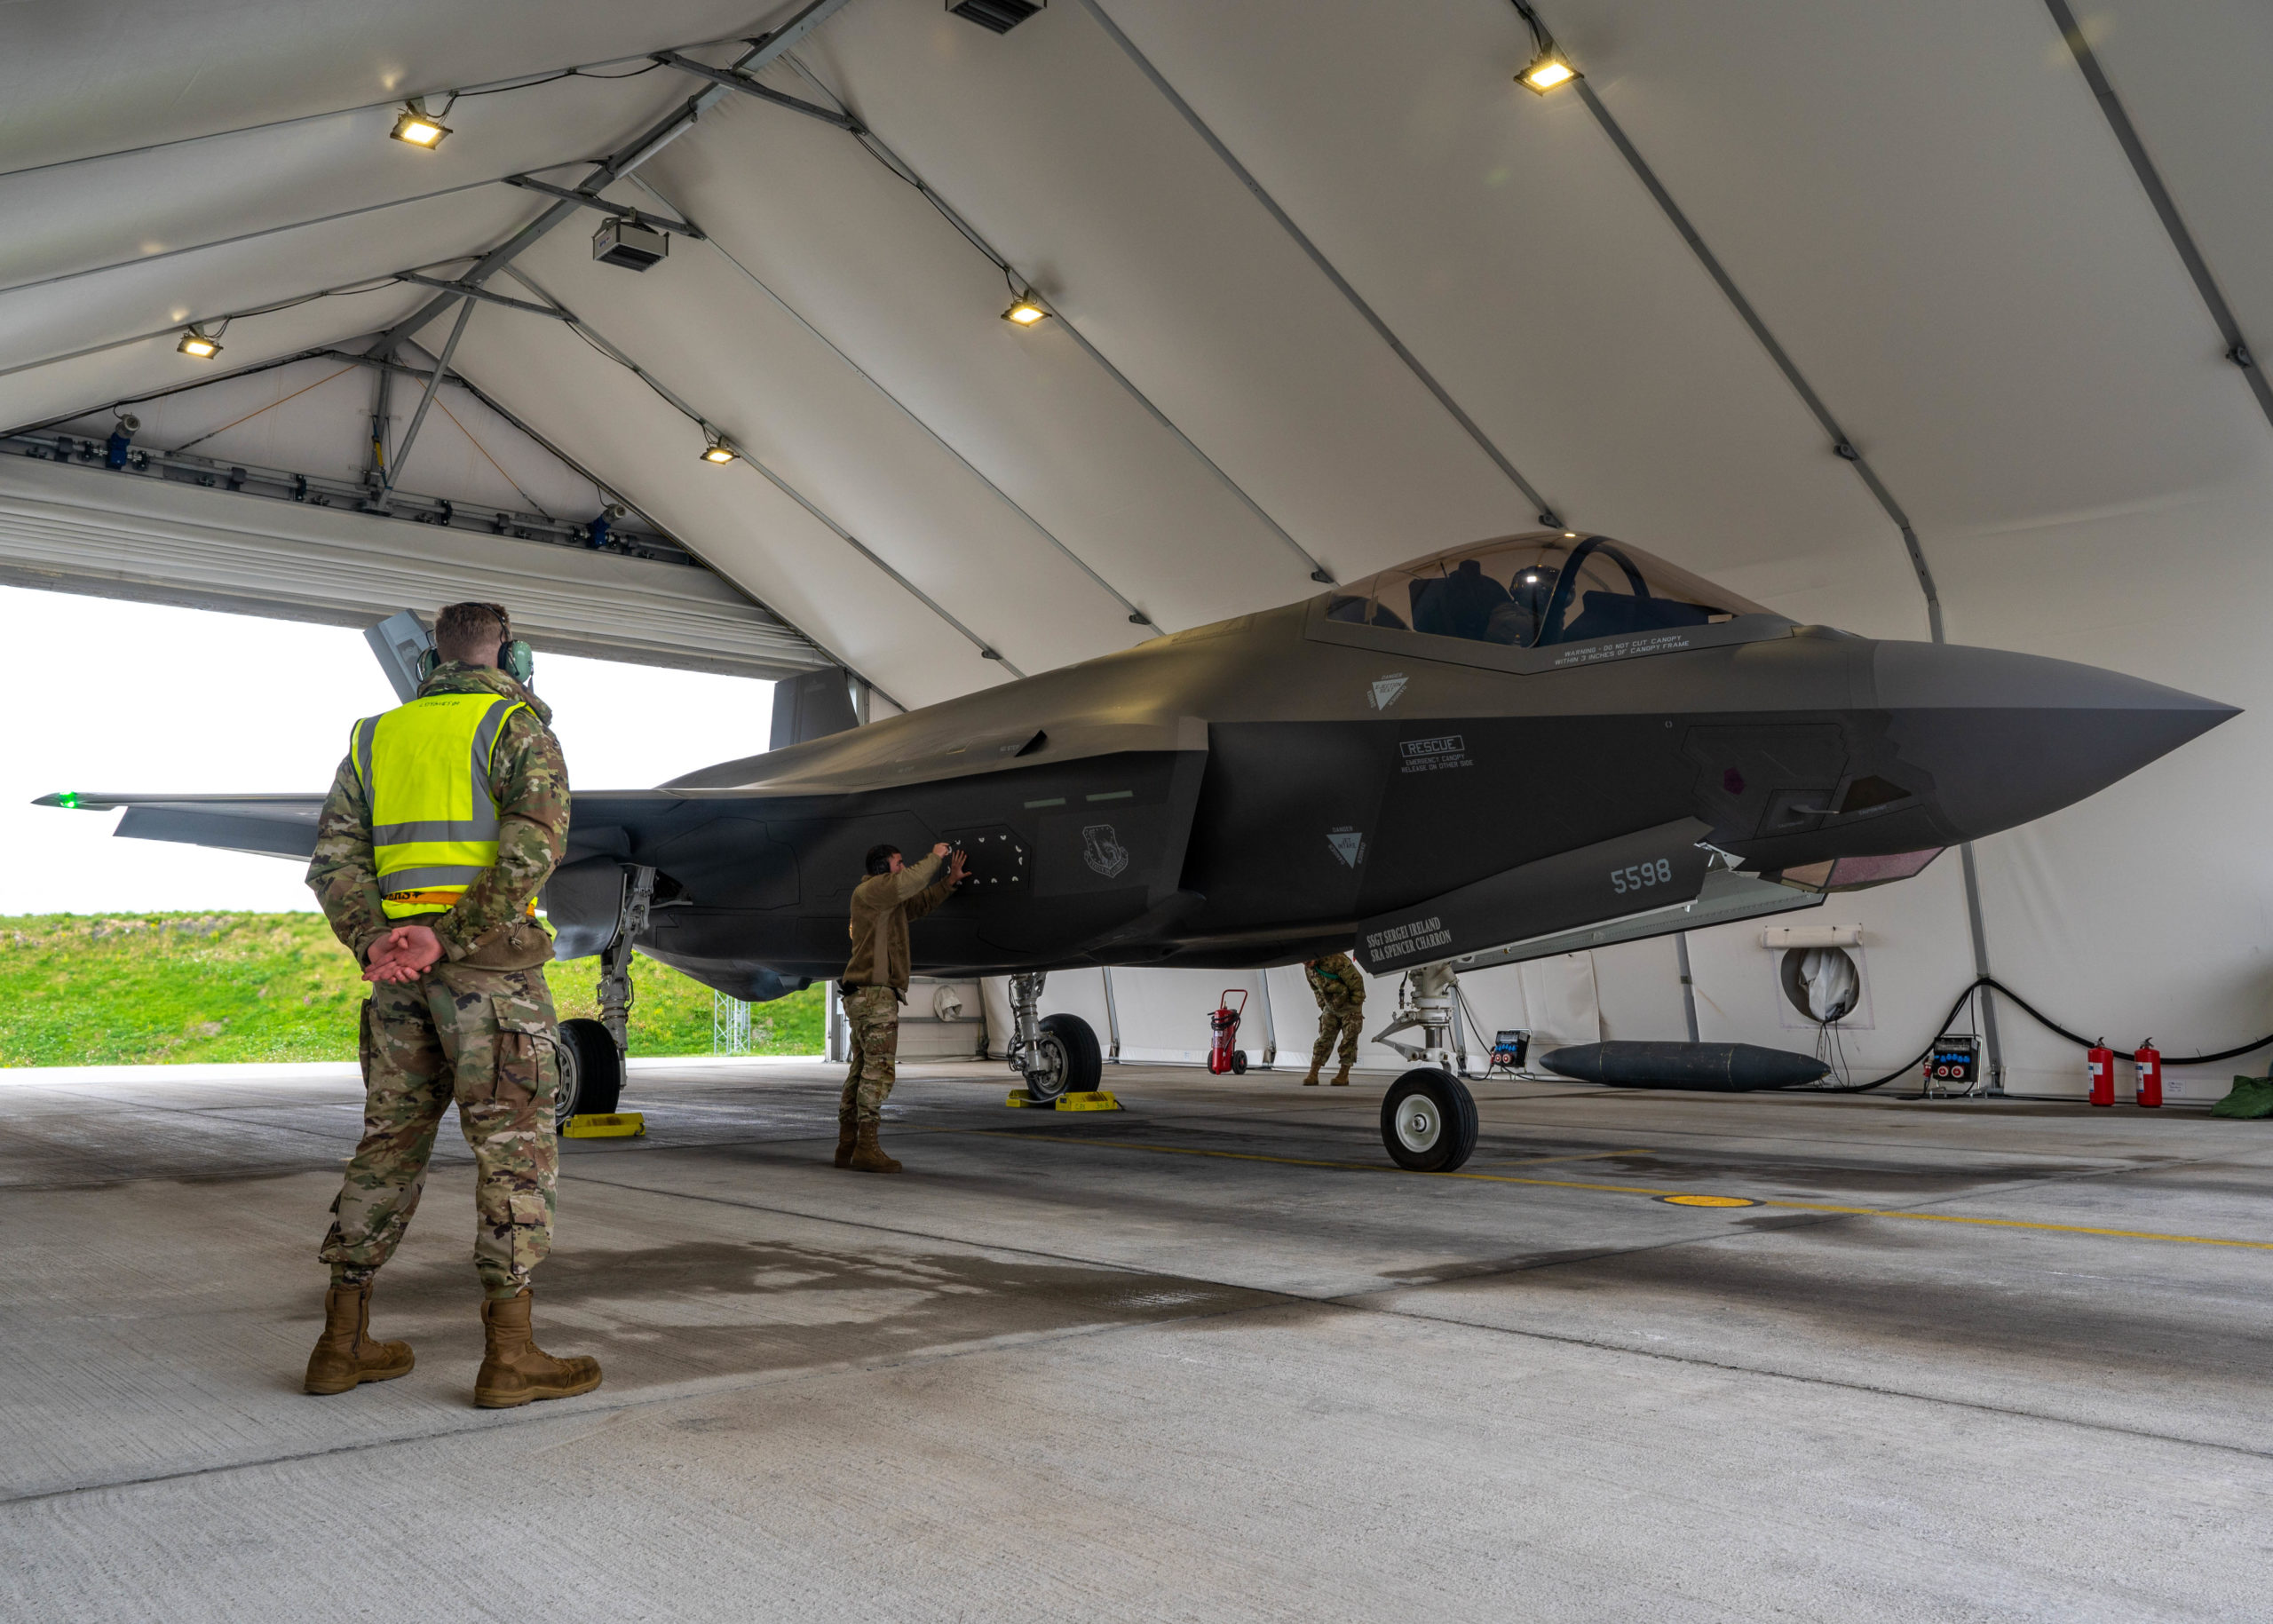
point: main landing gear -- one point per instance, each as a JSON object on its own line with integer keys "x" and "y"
{"x": 1427, "y": 1117}
{"x": 1055, "y": 1054}
{"x": 592, "y": 1051}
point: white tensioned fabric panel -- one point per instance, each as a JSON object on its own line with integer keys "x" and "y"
{"x": 1506, "y": 243}
{"x": 85, "y": 77}
{"x": 132, "y": 535}
{"x": 145, "y": 205}
{"x": 803, "y": 412}
{"x": 122, "y": 372}
{"x": 1079, "y": 173}
{"x": 2193, "y": 79}
{"x": 740, "y": 525}
{"x": 60, "y": 319}
{"x": 874, "y": 268}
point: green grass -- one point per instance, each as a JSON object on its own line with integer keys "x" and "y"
{"x": 144, "y": 988}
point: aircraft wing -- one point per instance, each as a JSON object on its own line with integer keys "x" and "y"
{"x": 285, "y": 825}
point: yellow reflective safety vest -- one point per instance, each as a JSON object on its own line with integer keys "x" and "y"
{"x": 426, "y": 773}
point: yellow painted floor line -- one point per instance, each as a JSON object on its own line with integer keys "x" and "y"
{"x": 1532, "y": 1162}
{"x": 2062, "y": 1229}
{"x": 1566, "y": 1184}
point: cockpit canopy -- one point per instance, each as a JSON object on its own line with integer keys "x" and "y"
{"x": 1529, "y": 591}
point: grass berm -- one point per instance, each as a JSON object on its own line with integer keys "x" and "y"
{"x": 122, "y": 989}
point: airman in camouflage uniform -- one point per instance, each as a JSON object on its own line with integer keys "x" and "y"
{"x": 875, "y": 980}
{"x": 475, "y": 1028}
{"x": 1341, "y": 994}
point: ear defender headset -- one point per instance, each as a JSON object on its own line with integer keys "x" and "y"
{"x": 515, "y": 658}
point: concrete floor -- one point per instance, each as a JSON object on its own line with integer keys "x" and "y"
{"x": 1205, "y": 1359}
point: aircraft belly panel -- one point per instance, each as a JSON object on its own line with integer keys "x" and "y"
{"x": 1654, "y": 868}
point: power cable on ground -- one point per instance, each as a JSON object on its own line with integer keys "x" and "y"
{"x": 2042, "y": 1019}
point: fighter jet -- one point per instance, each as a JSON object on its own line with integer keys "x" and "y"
{"x": 1501, "y": 751}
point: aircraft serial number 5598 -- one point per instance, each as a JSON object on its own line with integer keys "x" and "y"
{"x": 1633, "y": 876}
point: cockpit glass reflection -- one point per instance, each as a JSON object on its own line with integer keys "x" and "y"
{"x": 1530, "y": 592}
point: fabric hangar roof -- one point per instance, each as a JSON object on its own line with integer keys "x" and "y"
{"x": 1821, "y": 301}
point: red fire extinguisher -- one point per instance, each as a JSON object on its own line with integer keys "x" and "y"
{"x": 2102, "y": 1062}
{"x": 2151, "y": 1074}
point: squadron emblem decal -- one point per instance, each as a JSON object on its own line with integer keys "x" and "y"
{"x": 1349, "y": 845}
{"x": 1385, "y": 689}
{"x": 1102, "y": 851}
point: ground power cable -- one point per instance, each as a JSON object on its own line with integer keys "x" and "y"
{"x": 2042, "y": 1019}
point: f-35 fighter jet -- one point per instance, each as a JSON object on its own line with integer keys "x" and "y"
{"x": 1503, "y": 751}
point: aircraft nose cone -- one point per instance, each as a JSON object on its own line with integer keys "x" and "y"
{"x": 2011, "y": 737}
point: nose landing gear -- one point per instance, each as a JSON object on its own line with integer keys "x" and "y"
{"x": 1055, "y": 1054}
{"x": 1428, "y": 1122}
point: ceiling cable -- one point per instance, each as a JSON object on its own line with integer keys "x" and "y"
{"x": 1137, "y": 617}
{"x": 899, "y": 167}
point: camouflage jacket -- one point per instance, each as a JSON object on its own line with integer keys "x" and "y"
{"x": 490, "y": 926}
{"x": 882, "y": 906}
{"x": 1334, "y": 981}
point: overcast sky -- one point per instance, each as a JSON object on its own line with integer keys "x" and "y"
{"x": 117, "y": 697}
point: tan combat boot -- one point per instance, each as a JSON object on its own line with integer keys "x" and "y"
{"x": 1310, "y": 1081}
{"x": 346, "y": 1356}
{"x": 514, "y": 1370}
{"x": 868, "y": 1156}
{"x": 848, "y": 1128}
{"x": 1341, "y": 1079}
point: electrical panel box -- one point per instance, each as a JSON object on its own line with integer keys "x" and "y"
{"x": 629, "y": 244}
{"x": 1953, "y": 1063}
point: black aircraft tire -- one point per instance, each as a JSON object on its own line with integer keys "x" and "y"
{"x": 1079, "y": 1064}
{"x": 591, "y": 1071}
{"x": 1239, "y": 1062}
{"x": 1428, "y": 1121}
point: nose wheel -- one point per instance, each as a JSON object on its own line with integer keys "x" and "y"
{"x": 1428, "y": 1121}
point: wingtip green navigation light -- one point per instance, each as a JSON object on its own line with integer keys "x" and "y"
{"x": 69, "y": 798}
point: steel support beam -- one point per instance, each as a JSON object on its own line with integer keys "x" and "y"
{"x": 469, "y": 290}
{"x": 748, "y": 86}
{"x": 642, "y": 147}
{"x": 986, "y": 649}
{"x": 899, "y": 166}
{"x": 426, "y": 400}
{"x": 1841, "y": 443}
{"x": 2222, "y": 315}
{"x": 622, "y": 211}
{"x": 1137, "y": 617}
{"x": 1541, "y": 510}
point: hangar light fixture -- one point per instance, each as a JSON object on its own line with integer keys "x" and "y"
{"x": 1025, "y": 311}
{"x": 418, "y": 128}
{"x": 198, "y": 341}
{"x": 1547, "y": 70}
{"x": 715, "y": 448}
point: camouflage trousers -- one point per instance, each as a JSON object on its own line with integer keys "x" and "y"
{"x": 871, "y": 1013}
{"x": 1344, "y": 1017}
{"x": 484, "y": 1038}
